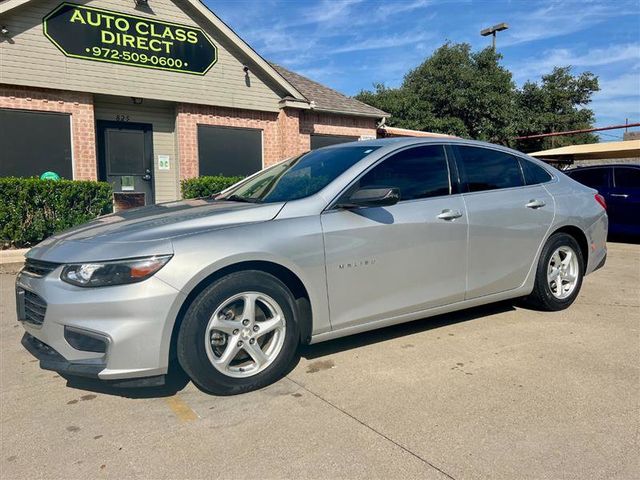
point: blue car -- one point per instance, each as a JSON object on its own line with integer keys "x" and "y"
{"x": 619, "y": 184}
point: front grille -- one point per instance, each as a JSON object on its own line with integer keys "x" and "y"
{"x": 39, "y": 268}
{"x": 35, "y": 308}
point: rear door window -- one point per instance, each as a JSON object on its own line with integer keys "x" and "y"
{"x": 534, "y": 174}
{"x": 592, "y": 177}
{"x": 627, "y": 177}
{"x": 486, "y": 169}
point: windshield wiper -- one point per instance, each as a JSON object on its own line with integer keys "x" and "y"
{"x": 238, "y": 198}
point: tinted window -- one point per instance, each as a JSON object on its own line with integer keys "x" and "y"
{"x": 486, "y": 169}
{"x": 627, "y": 177}
{"x": 419, "y": 172}
{"x": 229, "y": 151}
{"x": 591, "y": 177}
{"x": 298, "y": 177}
{"x": 534, "y": 174}
{"x": 319, "y": 141}
{"x": 125, "y": 152}
{"x": 32, "y": 143}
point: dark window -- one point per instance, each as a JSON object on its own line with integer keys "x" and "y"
{"x": 298, "y": 177}
{"x": 229, "y": 151}
{"x": 319, "y": 141}
{"x": 32, "y": 143}
{"x": 419, "y": 172}
{"x": 591, "y": 177}
{"x": 125, "y": 152}
{"x": 627, "y": 177}
{"x": 534, "y": 174}
{"x": 487, "y": 169}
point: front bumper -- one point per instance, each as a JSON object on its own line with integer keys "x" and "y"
{"x": 135, "y": 321}
{"x": 52, "y": 360}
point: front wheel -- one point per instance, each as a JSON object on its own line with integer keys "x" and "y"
{"x": 559, "y": 274}
{"x": 239, "y": 334}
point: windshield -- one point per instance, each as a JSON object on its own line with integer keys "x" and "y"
{"x": 298, "y": 177}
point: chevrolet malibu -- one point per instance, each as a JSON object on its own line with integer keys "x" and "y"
{"x": 334, "y": 242}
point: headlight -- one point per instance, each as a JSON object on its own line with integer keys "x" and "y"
{"x": 118, "y": 272}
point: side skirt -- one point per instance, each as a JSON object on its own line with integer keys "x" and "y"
{"x": 431, "y": 312}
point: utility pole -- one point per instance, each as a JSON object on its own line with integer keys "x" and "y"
{"x": 493, "y": 31}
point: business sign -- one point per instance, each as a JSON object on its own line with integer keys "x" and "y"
{"x": 107, "y": 36}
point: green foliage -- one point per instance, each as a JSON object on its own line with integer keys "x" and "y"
{"x": 206, "y": 186}
{"x": 33, "y": 209}
{"x": 469, "y": 94}
{"x": 556, "y": 104}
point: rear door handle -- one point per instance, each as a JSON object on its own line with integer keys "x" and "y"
{"x": 622, "y": 195}
{"x": 450, "y": 214}
{"x": 535, "y": 204}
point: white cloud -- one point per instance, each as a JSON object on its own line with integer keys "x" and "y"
{"x": 393, "y": 41}
{"x": 533, "y": 68}
{"x": 626, "y": 85}
{"x": 561, "y": 18}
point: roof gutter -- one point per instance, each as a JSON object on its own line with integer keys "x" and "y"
{"x": 351, "y": 114}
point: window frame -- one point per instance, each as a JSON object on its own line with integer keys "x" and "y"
{"x": 464, "y": 185}
{"x": 452, "y": 174}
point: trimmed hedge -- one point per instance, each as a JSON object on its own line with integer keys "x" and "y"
{"x": 206, "y": 186}
{"x": 32, "y": 209}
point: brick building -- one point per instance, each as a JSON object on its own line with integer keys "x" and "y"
{"x": 143, "y": 94}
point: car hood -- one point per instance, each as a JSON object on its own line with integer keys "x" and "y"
{"x": 148, "y": 230}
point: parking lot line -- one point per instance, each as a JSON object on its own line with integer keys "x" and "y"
{"x": 181, "y": 409}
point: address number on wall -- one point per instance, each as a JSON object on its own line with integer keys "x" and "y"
{"x": 122, "y": 118}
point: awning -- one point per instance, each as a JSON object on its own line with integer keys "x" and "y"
{"x": 592, "y": 151}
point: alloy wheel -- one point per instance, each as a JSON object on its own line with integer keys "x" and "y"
{"x": 245, "y": 334}
{"x": 562, "y": 272}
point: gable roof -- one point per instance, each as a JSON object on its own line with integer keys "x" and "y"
{"x": 225, "y": 30}
{"x": 301, "y": 91}
{"x": 326, "y": 99}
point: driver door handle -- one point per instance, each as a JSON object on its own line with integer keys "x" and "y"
{"x": 623, "y": 195}
{"x": 535, "y": 204}
{"x": 450, "y": 214}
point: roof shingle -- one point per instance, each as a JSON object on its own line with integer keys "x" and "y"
{"x": 327, "y": 99}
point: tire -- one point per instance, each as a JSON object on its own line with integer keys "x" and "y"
{"x": 213, "y": 329}
{"x": 546, "y": 295}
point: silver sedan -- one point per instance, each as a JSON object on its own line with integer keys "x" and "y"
{"x": 331, "y": 243}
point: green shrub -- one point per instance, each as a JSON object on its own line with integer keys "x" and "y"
{"x": 206, "y": 186}
{"x": 32, "y": 209}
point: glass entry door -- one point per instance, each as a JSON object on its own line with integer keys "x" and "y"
{"x": 126, "y": 161}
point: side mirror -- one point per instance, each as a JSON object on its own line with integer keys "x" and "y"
{"x": 372, "y": 197}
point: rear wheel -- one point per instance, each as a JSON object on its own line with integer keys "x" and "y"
{"x": 239, "y": 334}
{"x": 559, "y": 274}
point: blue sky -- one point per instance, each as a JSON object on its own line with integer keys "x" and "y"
{"x": 351, "y": 44}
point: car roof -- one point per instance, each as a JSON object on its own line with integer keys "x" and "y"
{"x": 407, "y": 141}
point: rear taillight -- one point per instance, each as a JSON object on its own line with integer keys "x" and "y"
{"x": 600, "y": 199}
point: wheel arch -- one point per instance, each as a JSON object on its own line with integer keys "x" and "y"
{"x": 581, "y": 238}
{"x": 282, "y": 273}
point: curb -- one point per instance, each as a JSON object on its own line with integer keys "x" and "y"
{"x": 11, "y": 261}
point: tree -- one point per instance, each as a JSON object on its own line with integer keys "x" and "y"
{"x": 469, "y": 94}
{"x": 455, "y": 91}
{"x": 556, "y": 104}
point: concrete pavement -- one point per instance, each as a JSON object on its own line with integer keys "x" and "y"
{"x": 493, "y": 392}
